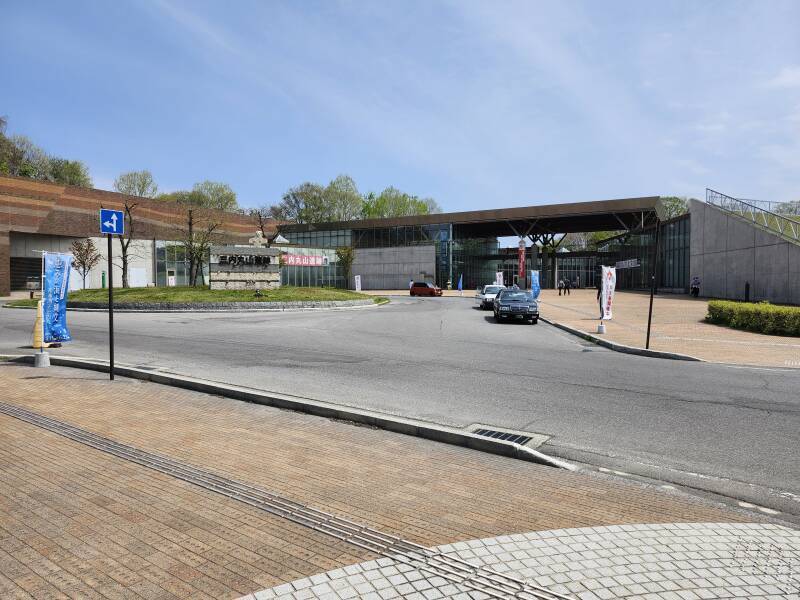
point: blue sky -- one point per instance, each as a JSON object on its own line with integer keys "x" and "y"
{"x": 477, "y": 104}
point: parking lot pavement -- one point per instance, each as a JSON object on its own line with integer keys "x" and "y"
{"x": 89, "y": 523}
{"x": 678, "y": 326}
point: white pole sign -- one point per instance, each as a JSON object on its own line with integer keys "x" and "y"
{"x": 607, "y": 294}
{"x": 358, "y": 282}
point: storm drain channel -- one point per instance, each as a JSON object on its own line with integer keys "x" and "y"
{"x": 505, "y": 436}
{"x": 452, "y": 569}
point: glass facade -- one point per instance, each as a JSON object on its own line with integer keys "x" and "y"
{"x": 334, "y": 238}
{"x": 674, "y": 244}
{"x": 383, "y": 237}
{"x": 329, "y": 274}
{"x": 172, "y": 268}
{"x": 478, "y": 259}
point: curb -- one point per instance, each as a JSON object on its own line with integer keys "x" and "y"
{"x": 621, "y": 347}
{"x": 413, "y": 427}
{"x": 282, "y": 307}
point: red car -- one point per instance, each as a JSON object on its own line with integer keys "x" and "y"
{"x": 423, "y": 288}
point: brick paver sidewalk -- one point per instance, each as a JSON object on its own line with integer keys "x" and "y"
{"x": 678, "y": 326}
{"x": 81, "y": 522}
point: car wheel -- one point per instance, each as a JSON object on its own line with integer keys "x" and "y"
{"x": 534, "y": 321}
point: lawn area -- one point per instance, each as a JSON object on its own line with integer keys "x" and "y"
{"x": 184, "y": 295}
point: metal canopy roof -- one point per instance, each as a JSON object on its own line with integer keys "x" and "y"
{"x": 600, "y": 215}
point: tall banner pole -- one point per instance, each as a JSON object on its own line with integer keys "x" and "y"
{"x": 40, "y": 307}
{"x": 653, "y": 283}
{"x": 110, "y": 311}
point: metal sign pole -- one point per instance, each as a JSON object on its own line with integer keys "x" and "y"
{"x": 110, "y": 311}
{"x": 653, "y": 282}
{"x": 41, "y": 285}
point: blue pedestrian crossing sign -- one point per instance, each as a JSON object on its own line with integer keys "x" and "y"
{"x": 112, "y": 221}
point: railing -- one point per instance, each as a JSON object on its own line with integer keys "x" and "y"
{"x": 788, "y": 228}
{"x": 779, "y": 208}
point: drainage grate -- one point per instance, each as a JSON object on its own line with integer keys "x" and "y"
{"x": 505, "y": 436}
{"x": 486, "y": 581}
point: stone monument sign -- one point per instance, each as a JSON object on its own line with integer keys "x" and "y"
{"x": 255, "y": 267}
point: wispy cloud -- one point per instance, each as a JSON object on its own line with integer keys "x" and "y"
{"x": 788, "y": 77}
{"x": 479, "y": 104}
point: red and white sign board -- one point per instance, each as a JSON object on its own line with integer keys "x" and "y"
{"x": 298, "y": 260}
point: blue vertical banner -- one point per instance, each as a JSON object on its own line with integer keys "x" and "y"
{"x": 535, "y": 288}
{"x": 461, "y": 282}
{"x": 54, "y": 296}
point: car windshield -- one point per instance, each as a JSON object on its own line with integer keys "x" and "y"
{"x": 517, "y": 296}
{"x": 492, "y": 289}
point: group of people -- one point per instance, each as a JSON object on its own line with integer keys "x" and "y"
{"x": 565, "y": 285}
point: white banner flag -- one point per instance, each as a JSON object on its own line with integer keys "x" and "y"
{"x": 357, "y": 279}
{"x": 607, "y": 293}
{"x": 498, "y": 278}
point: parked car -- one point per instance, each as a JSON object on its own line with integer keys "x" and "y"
{"x": 423, "y": 288}
{"x": 516, "y": 304}
{"x": 486, "y": 294}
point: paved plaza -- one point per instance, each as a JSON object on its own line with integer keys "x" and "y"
{"x": 678, "y": 326}
{"x": 683, "y": 561}
{"x": 76, "y": 521}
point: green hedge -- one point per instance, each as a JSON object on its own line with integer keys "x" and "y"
{"x": 761, "y": 317}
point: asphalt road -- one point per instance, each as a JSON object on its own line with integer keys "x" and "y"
{"x": 732, "y": 430}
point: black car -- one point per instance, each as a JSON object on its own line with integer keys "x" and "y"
{"x": 516, "y": 304}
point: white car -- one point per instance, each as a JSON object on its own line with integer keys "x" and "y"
{"x": 486, "y": 295}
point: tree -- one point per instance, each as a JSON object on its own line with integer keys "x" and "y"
{"x": 129, "y": 184}
{"x": 674, "y": 206}
{"x": 34, "y": 161}
{"x": 70, "y": 172}
{"x": 21, "y": 157}
{"x": 345, "y": 255}
{"x": 136, "y": 183}
{"x": 217, "y": 195}
{"x": 596, "y": 238}
{"x": 342, "y": 200}
{"x": 262, "y": 216}
{"x": 10, "y": 155}
{"x": 207, "y": 194}
{"x": 188, "y": 198}
{"x": 196, "y": 237}
{"x": 300, "y": 204}
{"x": 85, "y": 257}
{"x": 391, "y": 202}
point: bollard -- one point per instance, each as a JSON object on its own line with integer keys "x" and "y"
{"x": 601, "y": 327}
{"x": 41, "y": 359}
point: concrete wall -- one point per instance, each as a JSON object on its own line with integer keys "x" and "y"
{"x": 393, "y": 268}
{"x": 140, "y": 258}
{"x": 727, "y": 252}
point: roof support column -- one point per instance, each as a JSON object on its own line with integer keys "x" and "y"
{"x": 450, "y": 253}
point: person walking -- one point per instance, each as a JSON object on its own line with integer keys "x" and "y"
{"x": 694, "y": 286}
{"x": 560, "y": 286}
{"x": 567, "y": 286}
